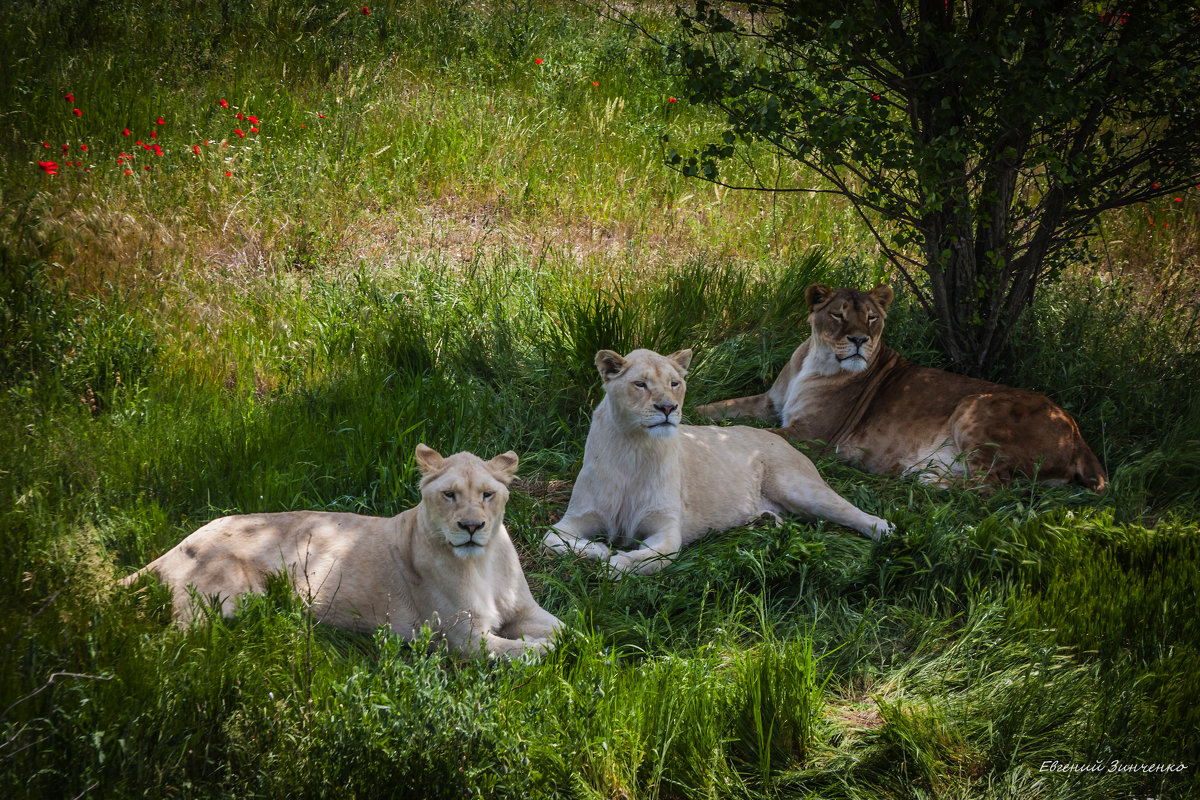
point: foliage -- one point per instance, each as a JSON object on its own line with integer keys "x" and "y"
{"x": 452, "y": 290}
{"x": 981, "y": 141}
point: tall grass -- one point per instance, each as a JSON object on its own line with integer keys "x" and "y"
{"x": 435, "y": 256}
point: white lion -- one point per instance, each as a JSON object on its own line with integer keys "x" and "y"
{"x": 448, "y": 562}
{"x": 649, "y": 480}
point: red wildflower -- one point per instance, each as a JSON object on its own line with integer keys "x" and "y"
{"x": 126, "y": 132}
{"x": 46, "y": 145}
{"x": 253, "y": 120}
{"x": 147, "y": 168}
{"x": 66, "y": 147}
{"x": 1178, "y": 199}
{"x": 595, "y": 83}
{"x": 49, "y": 167}
{"x": 366, "y": 11}
{"x": 157, "y": 150}
{"x": 196, "y": 149}
{"x": 239, "y": 132}
{"x": 671, "y": 100}
{"x": 77, "y": 112}
{"x": 139, "y": 143}
{"x": 224, "y": 103}
{"x": 319, "y": 114}
{"x": 128, "y": 172}
{"x": 79, "y": 163}
{"x": 83, "y": 147}
{"x": 120, "y": 160}
{"x": 70, "y": 98}
{"x": 538, "y": 62}
{"x": 160, "y": 121}
{"x": 228, "y": 174}
{"x": 153, "y": 134}
{"x": 253, "y": 129}
{"x": 240, "y": 115}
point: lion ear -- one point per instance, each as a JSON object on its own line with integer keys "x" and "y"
{"x": 818, "y": 294}
{"x": 681, "y": 359}
{"x": 504, "y": 467}
{"x": 609, "y": 364}
{"x": 883, "y": 295}
{"x": 428, "y": 459}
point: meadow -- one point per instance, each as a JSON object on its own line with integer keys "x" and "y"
{"x": 369, "y": 227}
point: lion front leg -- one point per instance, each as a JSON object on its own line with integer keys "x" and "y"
{"x": 534, "y": 626}
{"x": 654, "y": 553}
{"x": 757, "y": 406}
{"x": 576, "y": 535}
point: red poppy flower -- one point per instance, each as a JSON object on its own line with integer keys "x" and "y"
{"x": 120, "y": 160}
{"x": 196, "y": 149}
{"x": 126, "y": 155}
{"x": 77, "y": 112}
{"x": 126, "y": 132}
{"x": 66, "y": 147}
{"x": 302, "y": 125}
{"x": 538, "y": 62}
{"x": 253, "y": 129}
{"x": 128, "y": 172}
{"x": 1178, "y": 199}
{"x": 160, "y": 121}
{"x": 79, "y": 163}
{"x": 46, "y": 145}
{"x": 70, "y": 98}
{"x": 224, "y": 103}
{"x": 157, "y": 150}
{"x": 670, "y": 99}
{"x": 595, "y": 83}
{"x": 253, "y": 120}
{"x": 366, "y": 11}
{"x": 228, "y": 174}
{"x": 147, "y": 168}
{"x": 240, "y": 115}
{"x": 153, "y": 134}
{"x": 319, "y": 114}
{"x": 239, "y": 132}
{"x": 49, "y": 167}
{"x": 83, "y": 147}
{"x": 139, "y": 143}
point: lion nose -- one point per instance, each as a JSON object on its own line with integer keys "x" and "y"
{"x": 470, "y": 527}
{"x": 666, "y": 408}
{"x": 858, "y": 341}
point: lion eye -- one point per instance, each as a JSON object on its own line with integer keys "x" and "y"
{"x": 674, "y": 384}
{"x": 872, "y": 318}
{"x": 836, "y": 316}
{"x": 488, "y": 495}
{"x": 640, "y": 384}
{"x": 449, "y": 495}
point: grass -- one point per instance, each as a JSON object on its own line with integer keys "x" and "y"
{"x": 435, "y": 256}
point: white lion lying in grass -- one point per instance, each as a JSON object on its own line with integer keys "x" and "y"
{"x": 649, "y": 480}
{"x": 448, "y": 562}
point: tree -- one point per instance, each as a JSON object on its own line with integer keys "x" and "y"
{"x": 979, "y": 139}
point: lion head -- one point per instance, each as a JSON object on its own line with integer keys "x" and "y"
{"x": 848, "y": 323}
{"x": 646, "y": 389}
{"x": 463, "y": 497}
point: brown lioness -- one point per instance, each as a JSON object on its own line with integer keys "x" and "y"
{"x": 649, "y": 480}
{"x": 447, "y": 563}
{"x": 875, "y": 409}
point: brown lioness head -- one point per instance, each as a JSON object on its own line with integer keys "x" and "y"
{"x": 848, "y": 323}
{"x": 463, "y": 497}
{"x": 646, "y": 389}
